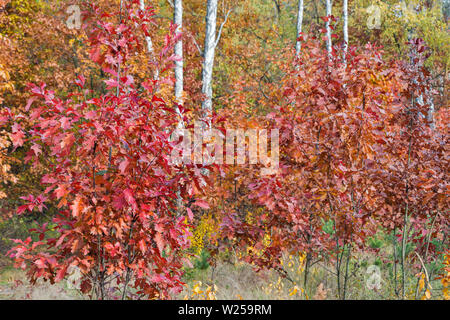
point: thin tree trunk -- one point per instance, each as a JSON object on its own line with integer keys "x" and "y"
{"x": 329, "y": 43}
{"x": 345, "y": 28}
{"x": 346, "y": 276}
{"x": 178, "y": 20}
{"x": 426, "y": 254}
{"x": 299, "y": 26}
{"x": 308, "y": 255}
{"x": 208, "y": 52}
{"x": 431, "y": 110}
{"x": 405, "y": 217}
{"x": 277, "y": 11}
{"x": 149, "y": 42}
{"x": 305, "y": 279}
{"x": 395, "y": 261}
{"x": 403, "y": 257}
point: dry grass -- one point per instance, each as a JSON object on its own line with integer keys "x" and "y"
{"x": 229, "y": 281}
{"x": 14, "y": 286}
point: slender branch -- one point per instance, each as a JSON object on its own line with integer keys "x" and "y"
{"x": 424, "y": 268}
{"x": 426, "y": 250}
{"x": 200, "y": 51}
{"x": 221, "y": 27}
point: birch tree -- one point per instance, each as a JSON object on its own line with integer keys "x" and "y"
{"x": 178, "y": 20}
{"x": 345, "y": 28}
{"x": 149, "y": 42}
{"x": 329, "y": 44}
{"x": 211, "y": 41}
{"x": 208, "y": 54}
{"x": 299, "y": 26}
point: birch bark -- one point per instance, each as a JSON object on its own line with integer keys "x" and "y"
{"x": 345, "y": 28}
{"x": 298, "y": 45}
{"x": 329, "y": 44}
{"x": 178, "y": 20}
{"x": 208, "y": 52}
{"x": 149, "y": 42}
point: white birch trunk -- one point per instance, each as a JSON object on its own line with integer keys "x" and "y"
{"x": 329, "y": 43}
{"x": 298, "y": 45}
{"x": 345, "y": 28}
{"x": 178, "y": 20}
{"x": 149, "y": 42}
{"x": 208, "y": 52}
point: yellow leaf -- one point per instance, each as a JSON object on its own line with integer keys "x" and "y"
{"x": 294, "y": 291}
{"x": 421, "y": 284}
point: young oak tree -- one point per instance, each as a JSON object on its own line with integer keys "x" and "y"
{"x": 110, "y": 173}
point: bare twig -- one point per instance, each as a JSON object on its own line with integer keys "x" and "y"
{"x": 424, "y": 268}
{"x": 221, "y": 27}
{"x": 200, "y": 51}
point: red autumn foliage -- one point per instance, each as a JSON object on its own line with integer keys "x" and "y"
{"x": 358, "y": 153}
{"x": 357, "y": 150}
{"x": 109, "y": 170}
